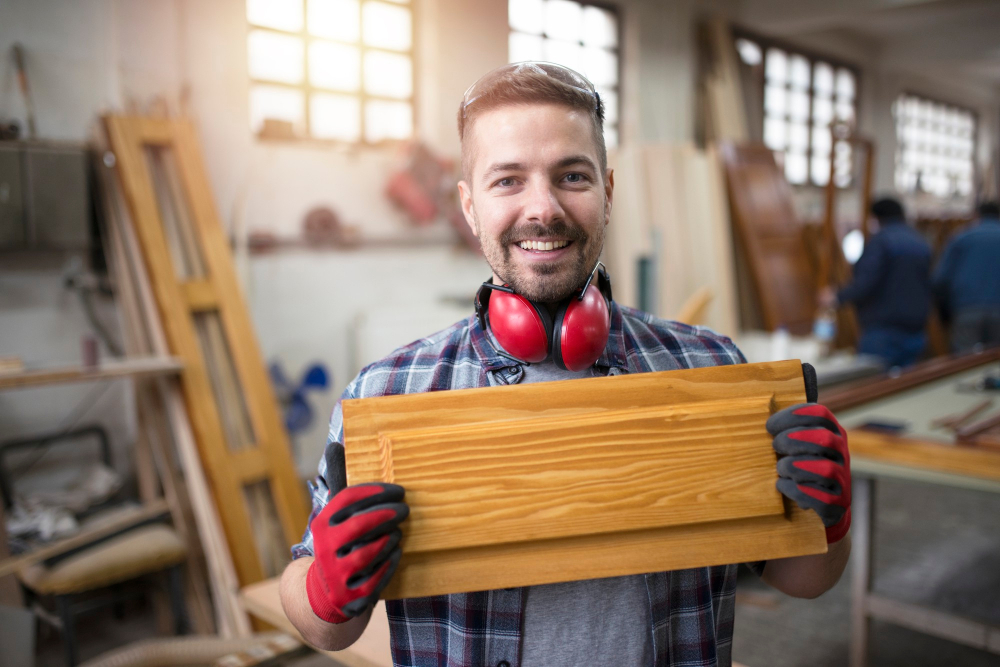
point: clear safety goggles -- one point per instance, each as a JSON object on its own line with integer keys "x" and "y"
{"x": 558, "y": 72}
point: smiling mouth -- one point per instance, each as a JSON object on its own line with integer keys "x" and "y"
{"x": 543, "y": 246}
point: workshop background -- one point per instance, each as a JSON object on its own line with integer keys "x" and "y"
{"x": 327, "y": 133}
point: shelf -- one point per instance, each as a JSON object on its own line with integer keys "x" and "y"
{"x": 107, "y": 370}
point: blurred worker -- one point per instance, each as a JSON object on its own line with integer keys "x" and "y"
{"x": 538, "y": 193}
{"x": 967, "y": 282}
{"x": 891, "y": 289}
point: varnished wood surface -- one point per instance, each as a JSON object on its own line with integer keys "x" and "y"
{"x": 982, "y": 463}
{"x": 603, "y": 472}
{"x": 505, "y": 469}
{"x": 795, "y": 533}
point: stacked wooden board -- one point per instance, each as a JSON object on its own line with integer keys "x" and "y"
{"x": 560, "y": 481}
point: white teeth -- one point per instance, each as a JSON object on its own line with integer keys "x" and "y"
{"x": 543, "y": 245}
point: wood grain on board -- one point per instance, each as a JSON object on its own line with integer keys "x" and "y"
{"x": 633, "y": 473}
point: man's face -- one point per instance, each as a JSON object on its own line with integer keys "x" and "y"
{"x": 536, "y": 198}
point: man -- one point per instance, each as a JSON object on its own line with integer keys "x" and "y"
{"x": 967, "y": 282}
{"x": 538, "y": 194}
{"x": 890, "y": 289}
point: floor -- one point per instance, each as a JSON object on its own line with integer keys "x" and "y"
{"x": 934, "y": 545}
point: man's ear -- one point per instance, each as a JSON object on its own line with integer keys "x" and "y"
{"x": 465, "y": 194}
{"x": 609, "y": 194}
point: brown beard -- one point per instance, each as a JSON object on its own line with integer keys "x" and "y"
{"x": 545, "y": 284}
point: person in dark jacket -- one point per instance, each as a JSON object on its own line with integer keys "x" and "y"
{"x": 967, "y": 282}
{"x": 891, "y": 289}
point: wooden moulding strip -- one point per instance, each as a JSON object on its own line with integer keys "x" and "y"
{"x": 594, "y": 556}
{"x": 843, "y": 397}
{"x": 606, "y": 472}
{"x": 106, "y": 370}
{"x": 199, "y": 295}
{"x": 936, "y": 457}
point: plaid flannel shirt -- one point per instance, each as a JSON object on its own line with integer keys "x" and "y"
{"x": 691, "y": 610}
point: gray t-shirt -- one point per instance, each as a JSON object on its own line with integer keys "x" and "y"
{"x": 595, "y": 622}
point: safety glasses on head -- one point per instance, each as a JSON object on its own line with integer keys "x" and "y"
{"x": 558, "y": 72}
{"x": 574, "y": 337}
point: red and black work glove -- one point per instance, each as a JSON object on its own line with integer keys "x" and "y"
{"x": 356, "y": 549}
{"x": 814, "y": 468}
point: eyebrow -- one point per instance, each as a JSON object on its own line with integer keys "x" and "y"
{"x": 568, "y": 161}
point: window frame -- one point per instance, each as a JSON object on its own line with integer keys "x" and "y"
{"x": 618, "y": 11}
{"x": 308, "y": 89}
{"x": 975, "y": 140}
{"x": 760, "y": 82}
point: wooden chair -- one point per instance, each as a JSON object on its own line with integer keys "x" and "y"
{"x": 72, "y": 578}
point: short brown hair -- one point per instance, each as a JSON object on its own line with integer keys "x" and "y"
{"x": 531, "y": 83}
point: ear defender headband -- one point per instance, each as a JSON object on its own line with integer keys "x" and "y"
{"x": 574, "y": 338}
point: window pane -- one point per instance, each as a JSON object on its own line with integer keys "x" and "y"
{"x": 388, "y": 120}
{"x": 526, "y": 16}
{"x": 796, "y": 168}
{"x": 564, "y": 20}
{"x": 275, "y": 57}
{"x": 277, "y": 14}
{"x": 845, "y": 84}
{"x": 821, "y": 140}
{"x": 276, "y": 103}
{"x": 798, "y": 105}
{"x": 335, "y": 66}
{"x": 798, "y": 137}
{"x": 775, "y": 133}
{"x": 823, "y": 80}
{"x": 388, "y": 74}
{"x": 600, "y": 66}
{"x": 387, "y": 26}
{"x": 749, "y": 52}
{"x": 822, "y": 111}
{"x": 776, "y": 66}
{"x": 820, "y": 170}
{"x": 600, "y": 27}
{"x": 776, "y": 100}
{"x": 335, "y": 19}
{"x": 521, "y": 47}
{"x": 845, "y": 111}
{"x": 799, "y": 73}
{"x": 335, "y": 117}
{"x": 563, "y": 53}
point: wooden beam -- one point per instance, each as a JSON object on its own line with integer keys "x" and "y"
{"x": 106, "y": 370}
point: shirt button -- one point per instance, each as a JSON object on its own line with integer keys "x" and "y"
{"x": 503, "y": 663}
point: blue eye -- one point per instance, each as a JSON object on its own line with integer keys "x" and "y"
{"x": 505, "y": 182}
{"x": 574, "y": 178}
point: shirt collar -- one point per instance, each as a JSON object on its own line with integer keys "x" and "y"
{"x": 614, "y": 355}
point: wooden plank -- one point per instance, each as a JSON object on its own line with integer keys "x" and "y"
{"x": 106, "y": 370}
{"x": 981, "y": 426}
{"x": 101, "y": 528}
{"x": 847, "y": 396}
{"x": 501, "y": 411}
{"x": 607, "y": 472}
{"x": 10, "y": 589}
{"x": 923, "y": 454}
{"x": 797, "y": 533}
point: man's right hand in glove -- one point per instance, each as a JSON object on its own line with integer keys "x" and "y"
{"x": 356, "y": 546}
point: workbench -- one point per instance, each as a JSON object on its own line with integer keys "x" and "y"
{"x": 921, "y": 452}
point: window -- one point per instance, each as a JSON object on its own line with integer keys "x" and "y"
{"x": 580, "y": 36}
{"x": 338, "y": 70}
{"x": 803, "y": 96}
{"x": 934, "y": 147}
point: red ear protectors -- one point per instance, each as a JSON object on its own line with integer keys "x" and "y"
{"x": 574, "y": 338}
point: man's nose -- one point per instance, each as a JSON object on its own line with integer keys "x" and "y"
{"x": 542, "y": 204}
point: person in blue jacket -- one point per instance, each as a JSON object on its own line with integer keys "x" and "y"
{"x": 967, "y": 282}
{"x": 890, "y": 289}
